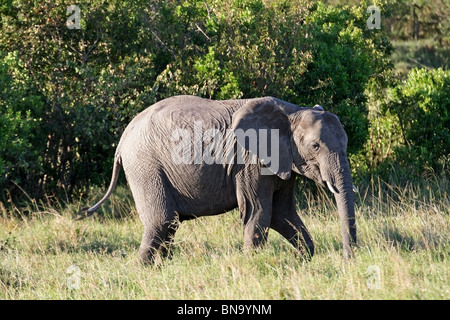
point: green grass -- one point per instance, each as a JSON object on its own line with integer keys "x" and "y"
{"x": 424, "y": 53}
{"x": 403, "y": 235}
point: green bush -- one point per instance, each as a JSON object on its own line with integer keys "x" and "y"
{"x": 302, "y": 52}
{"x": 76, "y": 89}
{"x": 421, "y": 103}
{"x": 67, "y": 93}
{"x": 21, "y": 134}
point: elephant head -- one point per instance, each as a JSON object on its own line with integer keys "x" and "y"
{"x": 319, "y": 146}
{"x": 313, "y": 143}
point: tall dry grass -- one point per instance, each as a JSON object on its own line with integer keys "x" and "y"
{"x": 403, "y": 252}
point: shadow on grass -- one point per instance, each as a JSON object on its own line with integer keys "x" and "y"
{"x": 103, "y": 246}
{"x": 12, "y": 279}
{"x": 399, "y": 239}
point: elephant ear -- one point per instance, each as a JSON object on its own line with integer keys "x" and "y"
{"x": 264, "y": 130}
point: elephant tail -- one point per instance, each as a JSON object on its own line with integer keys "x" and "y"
{"x": 86, "y": 212}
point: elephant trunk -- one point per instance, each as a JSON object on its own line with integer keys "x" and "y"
{"x": 346, "y": 209}
{"x": 343, "y": 193}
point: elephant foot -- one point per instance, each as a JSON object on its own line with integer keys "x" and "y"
{"x": 149, "y": 257}
{"x": 307, "y": 250}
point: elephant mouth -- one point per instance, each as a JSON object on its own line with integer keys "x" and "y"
{"x": 331, "y": 187}
{"x": 335, "y": 190}
{"x": 314, "y": 173}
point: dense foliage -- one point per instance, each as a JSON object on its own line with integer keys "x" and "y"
{"x": 411, "y": 19}
{"x": 421, "y": 104}
{"x": 67, "y": 94}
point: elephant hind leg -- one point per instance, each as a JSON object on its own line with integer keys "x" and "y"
{"x": 157, "y": 239}
{"x": 157, "y": 211}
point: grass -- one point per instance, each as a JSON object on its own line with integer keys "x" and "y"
{"x": 424, "y": 53}
{"x": 403, "y": 252}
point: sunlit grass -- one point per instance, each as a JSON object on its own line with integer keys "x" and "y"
{"x": 403, "y": 253}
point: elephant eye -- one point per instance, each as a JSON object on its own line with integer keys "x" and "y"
{"x": 315, "y": 146}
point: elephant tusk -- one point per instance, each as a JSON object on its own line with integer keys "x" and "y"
{"x": 355, "y": 189}
{"x": 331, "y": 188}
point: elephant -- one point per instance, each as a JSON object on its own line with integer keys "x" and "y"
{"x": 180, "y": 158}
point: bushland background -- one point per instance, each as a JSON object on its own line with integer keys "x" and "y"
{"x": 66, "y": 96}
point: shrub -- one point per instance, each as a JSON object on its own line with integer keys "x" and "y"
{"x": 21, "y": 134}
{"x": 68, "y": 93}
{"x": 301, "y": 52}
{"x": 83, "y": 86}
{"x": 421, "y": 104}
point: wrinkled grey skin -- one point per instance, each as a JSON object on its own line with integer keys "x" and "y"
{"x": 312, "y": 143}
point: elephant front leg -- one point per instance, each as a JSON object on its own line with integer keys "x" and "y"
{"x": 287, "y": 222}
{"x": 256, "y": 230}
{"x": 293, "y": 229}
{"x": 256, "y": 212}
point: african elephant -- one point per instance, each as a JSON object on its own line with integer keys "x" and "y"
{"x": 180, "y": 158}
